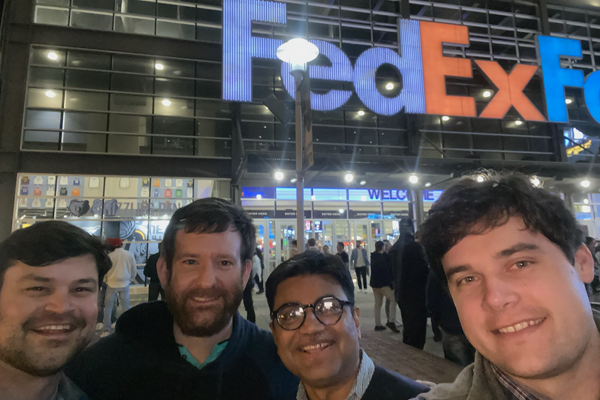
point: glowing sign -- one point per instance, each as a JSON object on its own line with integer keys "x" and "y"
{"x": 420, "y": 61}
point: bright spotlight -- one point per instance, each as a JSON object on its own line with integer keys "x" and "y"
{"x": 569, "y": 101}
{"x": 166, "y": 102}
{"x": 159, "y": 66}
{"x": 50, "y": 93}
{"x": 279, "y": 175}
{"x": 586, "y": 201}
{"x": 258, "y": 196}
{"x": 487, "y": 94}
{"x": 535, "y": 181}
{"x": 341, "y": 210}
{"x": 349, "y": 177}
{"x": 52, "y": 56}
{"x": 518, "y": 122}
{"x": 585, "y": 183}
{"x": 445, "y": 118}
{"x": 413, "y": 179}
{"x": 294, "y": 180}
{"x": 480, "y": 178}
{"x": 428, "y": 184}
{"x": 363, "y": 183}
{"x": 361, "y": 113}
{"x": 389, "y": 86}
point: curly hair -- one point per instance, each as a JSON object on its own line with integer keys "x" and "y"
{"x": 472, "y": 208}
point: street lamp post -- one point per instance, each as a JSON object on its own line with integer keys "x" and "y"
{"x": 298, "y": 52}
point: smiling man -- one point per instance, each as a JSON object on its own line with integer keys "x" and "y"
{"x": 316, "y": 328}
{"x": 195, "y": 345}
{"x": 514, "y": 261}
{"x": 49, "y": 281}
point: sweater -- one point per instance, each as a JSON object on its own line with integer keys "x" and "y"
{"x": 123, "y": 269}
{"x": 475, "y": 382}
{"x": 381, "y": 271}
{"x": 141, "y": 360}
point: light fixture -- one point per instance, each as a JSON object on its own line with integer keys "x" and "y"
{"x": 480, "y": 178}
{"x": 52, "y": 55}
{"x": 293, "y": 180}
{"x": 279, "y": 175}
{"x": 445, "y": 118}
{"x": 518, "y": 122}
{"x": 363, "y": 183}
{"x": 568, "y": 101}
{"x": 361, "y": 113}
{"x": 159, "y": 66}
{"x": 349, "y": 177}
{"x": 341, "y": 210}
{"x": 166, "y": 102}
{"x": 487, "y": 94}
{"x": 428, "y": 184}
{"x": 413, "y": 179}
{"x": 50, "y": 93}
{"x": 389, "y": 86}
{"x": 258, "y": 196}
{"x": 535, "y": 181}
{"x": 313, "y": 197}
{"x": 297, "y": 52}
{"x": 585, "y": 183}
{"x": 586, "y": 201}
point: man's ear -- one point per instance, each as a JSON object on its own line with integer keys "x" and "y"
{"x": 584, "y": 264}
{"x": 355, "y": 316}
{"x": 246, "y": 271}
{"x": 164, "y": 275}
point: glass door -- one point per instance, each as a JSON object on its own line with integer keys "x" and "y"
{"x": 266, "y": 241}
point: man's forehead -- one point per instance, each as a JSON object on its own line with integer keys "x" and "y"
{"x": 75, "y": 268}
{"x": 308, "y": 288}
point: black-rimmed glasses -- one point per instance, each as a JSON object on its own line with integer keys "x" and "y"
{"x": 328, "y": 310}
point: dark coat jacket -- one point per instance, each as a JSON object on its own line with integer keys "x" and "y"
{"x": 381, "y": 271}
{"x": 441, "y": 306}
{"x": 142, "y": 361}
{"x": 150, "y": 268}
{"x": 412, "y": 279}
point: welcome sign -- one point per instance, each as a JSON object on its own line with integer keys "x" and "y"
{"x": 421, "y": 63}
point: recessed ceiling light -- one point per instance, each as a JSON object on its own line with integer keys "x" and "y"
{"x": 413, "y": 179}
{"x": 568, "y": 101}
{"x": 159, "y": 66}
{"x": 389, "y": 86}
{"x": 166, "y": 102}
{"x": 349, "y": 177}
{"x": 361, "y": 113}
{"x": 52, "y": 55}
{"x": 487, "y": 94}
{"x": 518, "y": 122}
{"x": 445, "y": 118}
{"x": 50, "y": 93}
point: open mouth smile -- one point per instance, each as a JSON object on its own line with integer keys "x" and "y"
{"x": 520, "y": 326}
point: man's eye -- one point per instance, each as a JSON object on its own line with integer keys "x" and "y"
{"x": 189, "y": 262}
{"x": 83, "y": 290}
{"x": 466, "y": 280}
{"x": 37, "y": 289}
{"x": 522, "y": 264}
{"x": 226, "y": 263}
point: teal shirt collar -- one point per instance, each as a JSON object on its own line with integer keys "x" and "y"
{"x": 214, "y": 354}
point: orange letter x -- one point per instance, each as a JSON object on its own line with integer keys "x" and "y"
{"x": 510, "y": 91}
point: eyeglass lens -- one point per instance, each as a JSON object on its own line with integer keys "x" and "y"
{"x": 327, "y": 310}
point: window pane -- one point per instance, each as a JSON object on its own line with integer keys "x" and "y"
{"x": 84, "y": 142}
{"x": 128, "y": 144}
{"x": 130, "y": 123}
{"x": 107, "y": 5}
{"x": 88, "y": 60}
{"x": 133, "y": 104}
{"x": 173, "y": 126}
{"x": 131, "y": 83}
{"x": 87, "y": 80}
{"x": 174, "y": 68}
{"x": 133, "y": 64}
{"x": 174, "y": 87}
{"x": 44, "y": 98}
{"x": 42, "y": 119}
{"x": 86, "y": 100}
{"x": 51, "y": 16}
{"x": 47, "y": 77}
{"x": 88, "y": 20}
{"x": 175, "y": 30}
{"x": 35, "y": 140}
{"x": 85, "y": 121}
{"x": 170, "y": 106}
{"x": 140, "y": 26}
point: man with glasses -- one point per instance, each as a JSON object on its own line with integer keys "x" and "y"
{"x": 316, "y": 328}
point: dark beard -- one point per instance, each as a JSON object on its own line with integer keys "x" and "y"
{"x": 183, "y": 313}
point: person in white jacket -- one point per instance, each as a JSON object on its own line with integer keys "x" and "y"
{"x": 118, "y": 279}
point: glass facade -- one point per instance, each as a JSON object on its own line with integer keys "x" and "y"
{"x": 135, "y": 209}
{"x": 82, "y": 101}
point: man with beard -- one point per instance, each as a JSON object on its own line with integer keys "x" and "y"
{"x": 195, "y": 345}
{"x": 50, "y": 275}
{"x": 321, "y": 345}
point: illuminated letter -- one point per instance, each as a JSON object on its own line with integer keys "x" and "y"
{"x": 555, "y": 77}
{"x": 436, "y": 67}
{"x": 510, "y": 91}
{"x": 239, "y": 46}
{"x": 340, "y": 70}
{"x": 592, "y": 94}
{"x": 410, "y": 65}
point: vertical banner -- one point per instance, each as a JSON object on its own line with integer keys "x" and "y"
{"x": 307, "y": 153}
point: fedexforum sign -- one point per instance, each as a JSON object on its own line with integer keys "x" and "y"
{"x": 421, "y": 63}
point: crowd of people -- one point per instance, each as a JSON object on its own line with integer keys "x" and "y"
{"x": 506, "y": 262}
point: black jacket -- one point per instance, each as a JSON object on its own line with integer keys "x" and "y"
{"x": 381, "y": 271}
{"x": 441, "y": 306}
{"x": 142, "y": 361}
{"x": 389, "y": 385}
{"x": 411, "y": 289}
{"x": 150, "y": 268}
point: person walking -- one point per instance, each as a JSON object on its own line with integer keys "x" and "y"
{"x": 259, "y": 273}
{"x": 154, "y": 288}
{"x": 118, "y": 279}
{"x": 360, "y": 264}
{"x": 341, "y": 253}
{"x": 294, "y": 249}
{"x": 382, "y": 282}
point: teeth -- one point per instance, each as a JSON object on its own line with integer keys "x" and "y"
{"x": 520, "y": 326}
{"x": 203, "y": 299}
{"x": 314, "y": 347}
{"x": 55, "y": 328}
